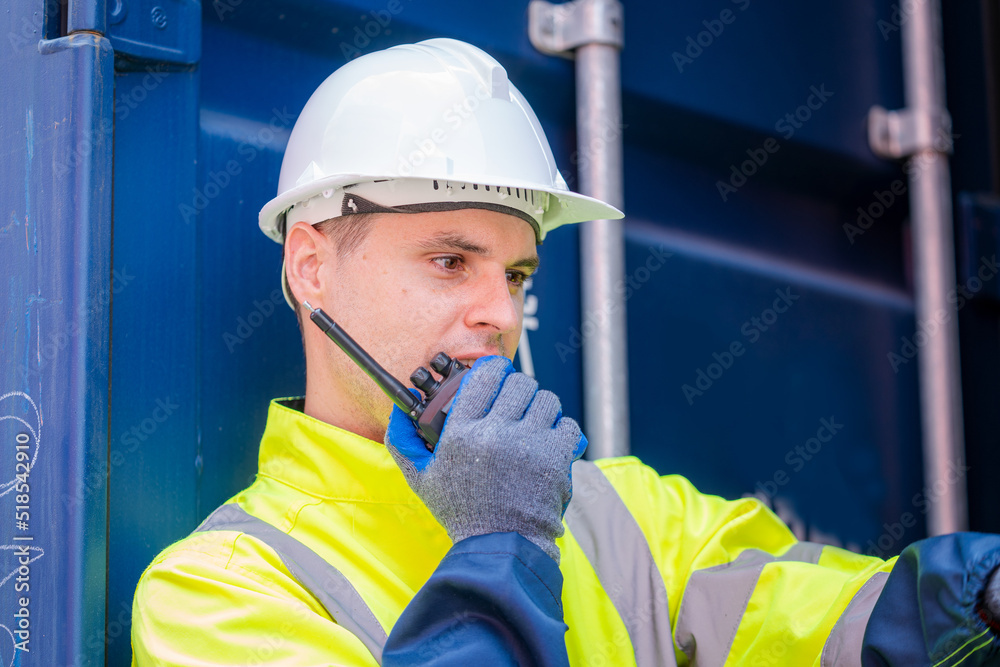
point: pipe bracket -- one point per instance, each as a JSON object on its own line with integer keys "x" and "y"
{"x": 557, "y": 29}
{"x": 899, "y": 134}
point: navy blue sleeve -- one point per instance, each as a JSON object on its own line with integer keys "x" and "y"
{"x": 931, "y": 609}
{"x": 494, "y": 600}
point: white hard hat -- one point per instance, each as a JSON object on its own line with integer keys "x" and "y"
{"x": 429, "y": 126}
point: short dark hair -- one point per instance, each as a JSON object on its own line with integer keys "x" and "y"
{"x": 347, "y": 232}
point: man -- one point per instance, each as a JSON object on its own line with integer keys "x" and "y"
{"x": 414, "y": 189}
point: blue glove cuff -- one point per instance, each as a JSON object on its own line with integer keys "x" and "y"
{"x": 402, "y": 434}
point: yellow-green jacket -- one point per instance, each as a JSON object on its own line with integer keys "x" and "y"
{"x": 651, "y": 567}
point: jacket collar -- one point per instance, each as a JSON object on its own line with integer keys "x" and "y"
{"x": 326, "y": 461}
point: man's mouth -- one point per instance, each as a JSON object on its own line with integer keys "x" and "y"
{"x": 469, "y": 358}
{"x": 465, "y": 361}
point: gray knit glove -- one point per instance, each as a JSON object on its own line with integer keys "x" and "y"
{"x": 503, "y": 461}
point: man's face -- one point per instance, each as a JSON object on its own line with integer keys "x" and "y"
{"x": 420, "y": 284}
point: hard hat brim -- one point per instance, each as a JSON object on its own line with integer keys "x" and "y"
{"x": 568, "y": 207}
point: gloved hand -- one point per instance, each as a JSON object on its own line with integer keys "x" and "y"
{"x": 503, "y": 461}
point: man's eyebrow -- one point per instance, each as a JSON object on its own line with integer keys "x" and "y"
{"x": 528, "y": 263}
{"x": 453, "y": 240}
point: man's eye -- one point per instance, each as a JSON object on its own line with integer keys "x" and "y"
{"x": 516, "y": 278}
{"x": 449, "y": 263}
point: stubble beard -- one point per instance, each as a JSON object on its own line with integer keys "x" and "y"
{"x": 372, "y": 407}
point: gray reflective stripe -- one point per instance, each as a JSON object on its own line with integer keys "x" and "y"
{"x": 326, "y": 583}
{"x": 843, "y": 646}
{"x": 803, "y": 552}
{"x": 617, "y": 550}
{"x": 716, "y": 597}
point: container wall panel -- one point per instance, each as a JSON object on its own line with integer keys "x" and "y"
{"x": 767, "y": 285}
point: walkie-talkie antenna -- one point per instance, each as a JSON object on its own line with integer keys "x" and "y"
{"x": 392, "y": 387}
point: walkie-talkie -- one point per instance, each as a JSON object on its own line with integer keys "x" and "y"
{"x": 430, "y": 413}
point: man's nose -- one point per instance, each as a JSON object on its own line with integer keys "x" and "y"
{"x": 493, "y": 307}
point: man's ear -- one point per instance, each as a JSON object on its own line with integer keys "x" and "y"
{"x": 307, "y": 250}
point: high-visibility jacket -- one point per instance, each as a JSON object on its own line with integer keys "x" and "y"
{"x": 316, "y": 561}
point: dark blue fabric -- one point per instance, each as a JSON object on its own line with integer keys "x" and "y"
{"x": 928, "y": 612}
{"x": 494, "y": 600}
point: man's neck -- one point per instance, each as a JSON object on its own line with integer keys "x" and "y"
{"x": 329, "y": 406}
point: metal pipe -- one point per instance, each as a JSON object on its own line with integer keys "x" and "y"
{"x": 934, "y": 272}
{"x": 602, "y": 251}
{"x": 592, "y": 31}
